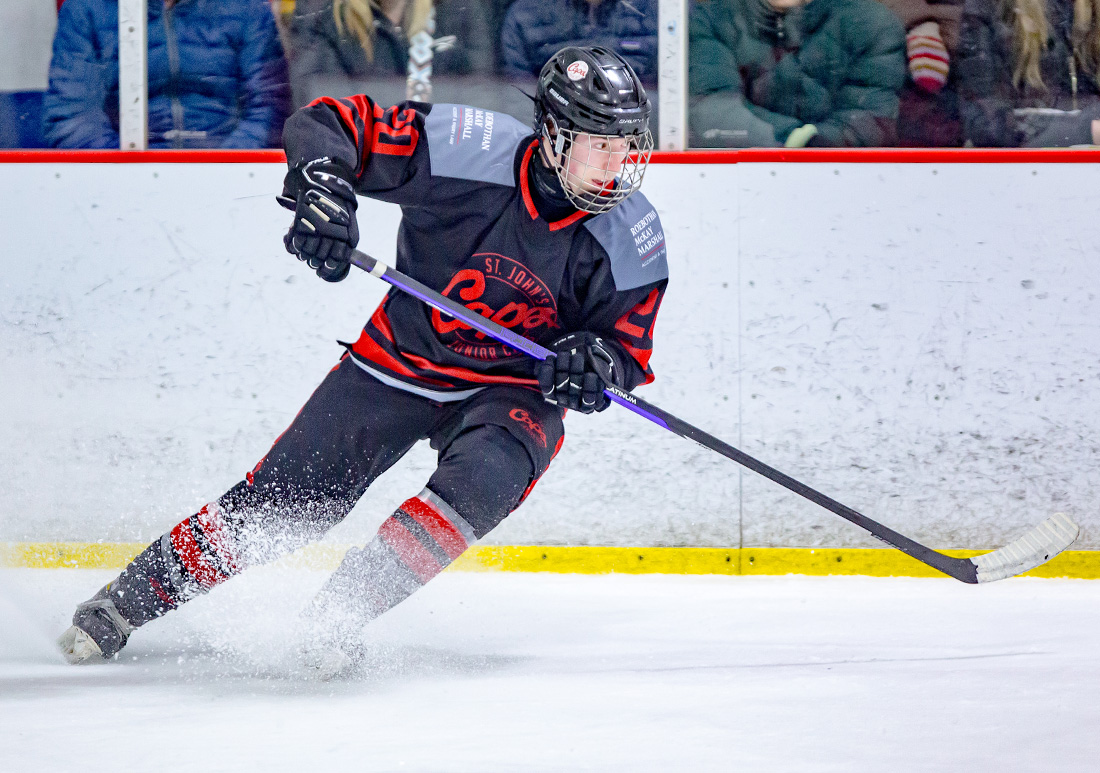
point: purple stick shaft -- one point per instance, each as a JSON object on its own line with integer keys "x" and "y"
{"x": 636, "y": 409}
{"x": 454, "y": 309}
{"x": 476, "y": 321}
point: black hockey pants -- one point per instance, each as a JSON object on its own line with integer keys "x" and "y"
{"x": 492, "y": 446}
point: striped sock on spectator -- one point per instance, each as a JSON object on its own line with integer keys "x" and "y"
{"x": 928, "y": 57}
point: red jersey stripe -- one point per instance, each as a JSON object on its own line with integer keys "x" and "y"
{"x": 565, "y": 222}
{"x": 624, "y": 325}
{"x": 381, "y": 322}
{"x": 367, "y": 348}
{"x": 529, "y": 202}
{"x": 469, "y": 375}
{"x": 641, "y": 355}
{"x": 523, "y": 187}
{"x": 346, "y": 115}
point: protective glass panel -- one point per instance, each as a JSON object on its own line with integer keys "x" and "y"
{"x": 227, "y": 74}
{"x": 881, "y": 73}
{"x": 217, "y": 74}
{"x": 24, "y": 64}
{"x": 485, "y": 53}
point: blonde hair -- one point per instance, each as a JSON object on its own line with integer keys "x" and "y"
{"x": 357, "y": 18}
{"x": 1031, "y": 29}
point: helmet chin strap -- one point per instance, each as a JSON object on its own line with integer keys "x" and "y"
{"x": 551, "y": 130}
{"x": 559, "y": 144}
{"x": 553, "y": 148}
{"x": 547, "y": 187}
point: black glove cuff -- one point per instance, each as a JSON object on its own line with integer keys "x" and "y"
{"x": 582, "y": 365}
{"x": 593, "y": 345}
{"x": 618, "y": 359}
{"x": 331, "y": 174}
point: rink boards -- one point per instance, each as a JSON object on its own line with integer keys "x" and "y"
{"x": 566, "y": 559}
{"x": 916, "y": 340}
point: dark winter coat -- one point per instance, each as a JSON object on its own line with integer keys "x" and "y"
{"x": 217, "y": 76}
{"x": 535, "y": 29}
{"x": 756, "y": 74}
{"x": 945, "y": 13}
{"x": 996, "y": 113}
{"x": 322, "y": 55}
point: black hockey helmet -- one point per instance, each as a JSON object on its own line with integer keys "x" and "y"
{"x": 592, "y": 90}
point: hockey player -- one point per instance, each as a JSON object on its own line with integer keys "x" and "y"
{"x": 540, "y": 231}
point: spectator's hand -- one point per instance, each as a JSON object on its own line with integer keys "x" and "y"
{"x": 324, "y": 231}
{"x": 1096, "y": 132}
{"x": 576, "y": 374}
{"x": 801, "y": 136}
{"x": 928, "y": 57}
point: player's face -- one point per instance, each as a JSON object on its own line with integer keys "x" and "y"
{"x": 593, "y": 161}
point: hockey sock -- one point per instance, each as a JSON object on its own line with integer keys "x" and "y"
{"x": 192, "y": 558}
{"x": 417, "y": 542}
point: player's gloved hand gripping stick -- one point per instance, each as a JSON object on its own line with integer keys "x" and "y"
{"x": 321, "y": 196}
{"x": 1034, "y": 548}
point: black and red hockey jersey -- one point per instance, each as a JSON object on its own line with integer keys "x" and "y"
{"x": 470, "y": 229}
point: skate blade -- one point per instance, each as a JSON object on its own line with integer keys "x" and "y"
{"x": 78, "y": 648}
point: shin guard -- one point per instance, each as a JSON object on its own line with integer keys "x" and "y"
{"x": 188, "y": 561}
{"x": 421, "y": 538}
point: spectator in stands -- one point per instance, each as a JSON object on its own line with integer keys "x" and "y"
{"x": 1028, "y": 72}
{"x": 929, "y": 111}
{"x": 497, "y": 10}
{"x": 786, "y": 73}
{"x": 337, "y": 42}
{"x": 534, "y": 30}
{"x": 217, "y": 76}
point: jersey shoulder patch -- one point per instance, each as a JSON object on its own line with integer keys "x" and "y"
{"x": 468, "y": 143}
{"x": 634, "y": 239}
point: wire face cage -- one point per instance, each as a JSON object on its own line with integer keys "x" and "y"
{"x": 599, "y": 171}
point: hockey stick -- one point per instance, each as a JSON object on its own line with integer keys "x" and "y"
{"x": 1034, "y": 548}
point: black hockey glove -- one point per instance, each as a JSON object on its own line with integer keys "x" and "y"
{"x": 324, "y": 231}
{"x": 576, "y": 374}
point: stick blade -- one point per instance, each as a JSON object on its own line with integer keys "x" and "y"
{"x": 1033, "y": 549}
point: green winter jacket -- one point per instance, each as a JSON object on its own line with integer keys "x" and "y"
{"x": 757, "y": 74}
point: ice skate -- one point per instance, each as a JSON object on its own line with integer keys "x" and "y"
{"x": 330, "y": 644}
{"x": 98, "y": 631}
{"x": 326, "y": 661}
{"x": 325, "y": 654}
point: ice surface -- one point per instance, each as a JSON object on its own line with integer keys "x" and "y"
{"x": 513, "y": 672}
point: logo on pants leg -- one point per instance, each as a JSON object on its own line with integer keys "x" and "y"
{"x": 524, "y": 418}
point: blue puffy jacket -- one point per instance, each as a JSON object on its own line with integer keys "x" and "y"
{"x": 534, "y": 30}
{"x": 217, "y": 76}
